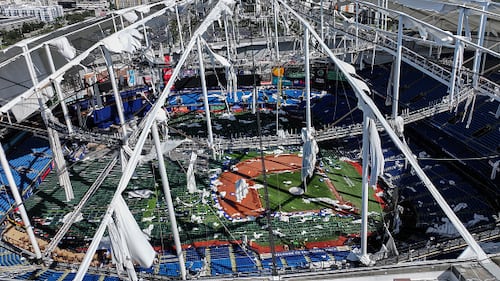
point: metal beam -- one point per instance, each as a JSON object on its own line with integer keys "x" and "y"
{"x": 480, "y": 41}
{"x": 205, "y": 95}
{"x": 168, "y": 199}
{"x": 364, "y": 186}
{"x": 308, "y": 80}
{"x": 19, "y": 203}
{"x": 456, "y": 52}
{"x": 397, "y": 69}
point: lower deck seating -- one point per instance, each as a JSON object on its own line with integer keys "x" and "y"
{"x": 319, "y": 256}
{"x": 221, "y": 266}
{"x": 10, "y": 259}
{"x": 268, "y": 263}
{"x": 296, "y": 261}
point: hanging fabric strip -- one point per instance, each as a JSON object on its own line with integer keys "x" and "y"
{"x": 457, "y": 68}
{"x": 124, "y": 41}
{"x": 116, "y": 252}
{"x": 495, "y": 169}
{"x": 135, "y": 240}
{"x": 241, "y": 190}
{"x": 471, "y": 112}
{"x": 374, "y": 50}
{"x": 191, "y": 181}
{"x": 309, "y": 151}
{"x": 376, "y": 154}
{"x": 64, "y": 47}
{"x": 130, "y": 16}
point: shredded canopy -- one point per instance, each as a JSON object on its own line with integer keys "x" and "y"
{"x": 132, "y": 236}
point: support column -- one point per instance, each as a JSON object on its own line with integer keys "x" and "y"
{"x": 480, "y": 41}
{"x": 455, "y": 71}
{"x": 55, "y": 143}
{"x": 322, "y": 22}
{"x": 19, "y": 203}
{"x": 308, "y": 79}
{"x": 119, "y": 104}
{"x": 275, "y": 6}
{"x": 116, "y": 93}
{"x": 397, "y": 69}
{"x": 356, "y": 11}
{"x": 114, "y": 22}
{"x": 386, "y": 6}
{"x": 229, "y": 80}
{"x": 61, "y": 168}
{"x": 364, "y": 186}
{"x": 60, "y": 96}
{"x": 278, "y": 92}
{"x": 121, "y": 21}
{"x": 144, "y": 30}
{"x": 378, "y": 16}
{"x": 205, "y": 96}
{"x": 168, "y": 199}
{"x": 179, "y": 27}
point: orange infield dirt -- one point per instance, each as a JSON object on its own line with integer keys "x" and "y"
{"x": 249, "y": 169}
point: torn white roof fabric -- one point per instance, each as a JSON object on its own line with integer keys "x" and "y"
{"x": 191, "y": 181}
{"x": 126, "y": 40}
{"x": 310, "y": 149}
{"x": 433, "y": 6}
{"x": 64, "y": 47}
{"x": 140, "y": 250}
{"x": 376, "y": 154}
{"x": 130, "y": 17}
{"x": 241, "y": 190}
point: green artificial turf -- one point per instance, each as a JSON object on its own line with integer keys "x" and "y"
{"x": 340, "y": 178}
{"x": 281, "y": 199}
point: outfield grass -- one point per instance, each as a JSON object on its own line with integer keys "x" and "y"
{"x": 343, "y": 175}
{"x": 244, "y": 156}
{"x": 280, "y": 198}
{"x": 151, "y": 205}
{"x": 340, "y": 179}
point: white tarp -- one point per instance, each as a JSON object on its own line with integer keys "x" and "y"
{"x": 116, "y": 245}
{"x": 166, "y": 146}
{"x": 433, "y": 6}
{"x": 440, "y": 37}
{"x": 348, "y": 67}
{"x": 135, "y": 240}
{"x": 64, "y": 47}
{"x": 495, "y": 169}
{"x": 191, "y": 181}
{"x": 222, "y": 60}
{"x": 387, "y": 250}
{"x": 130, "y": 17}
{"x": 30, "y": 104}
{"x": 376, "y": 154}
{"x": 309, "y": 151}
{"x": 145, "y": 9}
{"x": 143, "y": 193}
{"x": 127, "y": 40}
{"x": 399, "y": 125}
{"x": 241, "y": 190}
